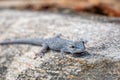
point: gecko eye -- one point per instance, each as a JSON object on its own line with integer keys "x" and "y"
{"x": 72, "y": 46}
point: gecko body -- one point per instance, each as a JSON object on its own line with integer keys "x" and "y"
{"x": 55, "y": 43}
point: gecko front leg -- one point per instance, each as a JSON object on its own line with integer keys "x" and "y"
{"x": 62, "y": 52}
{"x": 42, "y": 51}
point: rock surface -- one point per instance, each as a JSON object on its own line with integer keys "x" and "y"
{"x": 17, "y": 63}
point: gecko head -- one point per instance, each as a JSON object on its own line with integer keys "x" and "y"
{"x": 76, "y": 47}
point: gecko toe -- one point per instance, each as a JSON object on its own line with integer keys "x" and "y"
{"x": 40, "y": 54}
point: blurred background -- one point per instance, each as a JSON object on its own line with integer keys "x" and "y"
{"x": 102, "y": 7}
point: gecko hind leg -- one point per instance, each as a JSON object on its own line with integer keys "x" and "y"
{"x": 42, "y": 52}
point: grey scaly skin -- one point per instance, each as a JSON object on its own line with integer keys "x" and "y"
{"x": 55, "y": 43}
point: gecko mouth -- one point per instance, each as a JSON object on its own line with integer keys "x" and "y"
{"x": 78, "y": 51}
{"x": 81, "y": 54}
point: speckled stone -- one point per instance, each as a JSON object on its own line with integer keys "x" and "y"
{"x": 103, "y": 36}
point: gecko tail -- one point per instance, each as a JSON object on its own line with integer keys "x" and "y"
{"x": 14, "y": 42}
{"x": 21, "y": 41}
